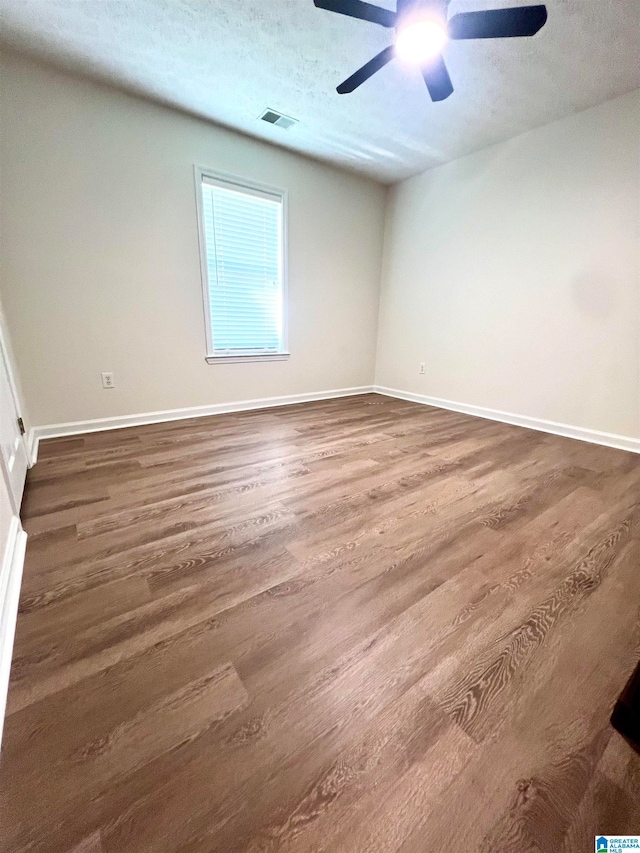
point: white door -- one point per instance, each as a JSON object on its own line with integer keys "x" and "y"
{"x": 13, "y": 454}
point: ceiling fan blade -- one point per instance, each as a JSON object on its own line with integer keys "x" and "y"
{"x": 367, "y": 70}
{"x": 437, "y": 79}
{"x": 358, "y": 9}
{"x": 498, "y": 23}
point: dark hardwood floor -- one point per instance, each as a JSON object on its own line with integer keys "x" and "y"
{"x": 354, "y": 625}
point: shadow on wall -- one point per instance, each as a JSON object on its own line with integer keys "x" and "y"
{"x": 595, "y": 292}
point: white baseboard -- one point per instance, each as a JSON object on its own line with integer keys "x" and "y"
{"x": 32, "y": 446}
{"x": 36, "y": 434}
{"x": 10, "y": 580}
{"x": 620, "y": 442}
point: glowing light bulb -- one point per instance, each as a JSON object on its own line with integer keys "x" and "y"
{"x": 420, "y": 41}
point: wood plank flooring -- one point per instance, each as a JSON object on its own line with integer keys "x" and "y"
{"x": 353, "y": 625}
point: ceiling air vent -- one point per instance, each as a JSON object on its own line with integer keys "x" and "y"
{"x": 273, "y": 117}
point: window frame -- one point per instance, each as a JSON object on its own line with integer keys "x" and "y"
{"x": 232, "y": 182}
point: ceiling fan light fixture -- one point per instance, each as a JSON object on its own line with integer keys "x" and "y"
{"x": 420, "y": 41}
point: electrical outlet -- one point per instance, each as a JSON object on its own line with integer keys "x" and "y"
{"x": 107, "y": 380}
{"x": 422, "y": 367}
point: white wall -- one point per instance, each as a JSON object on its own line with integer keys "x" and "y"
{"x": 100, "y": 254}
{"x": 514, "y": 274}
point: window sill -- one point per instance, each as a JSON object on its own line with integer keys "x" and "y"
{"x": 242, "y": 359}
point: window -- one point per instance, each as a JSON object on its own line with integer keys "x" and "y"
{"x": 242, "y": 247}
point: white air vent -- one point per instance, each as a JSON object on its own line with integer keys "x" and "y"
{"x": 274, "y": 117}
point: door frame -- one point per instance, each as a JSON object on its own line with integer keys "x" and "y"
{"x": 13, "y": 387}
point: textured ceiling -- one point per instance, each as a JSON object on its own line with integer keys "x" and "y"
{"x": 227, "y": 60}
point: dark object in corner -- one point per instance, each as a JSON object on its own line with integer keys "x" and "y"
{"x": 626, "y": 714}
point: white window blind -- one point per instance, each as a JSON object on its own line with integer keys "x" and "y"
{"x": 244, "y": 286}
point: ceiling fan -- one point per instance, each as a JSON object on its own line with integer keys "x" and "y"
{"x": 422, "y": 30}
